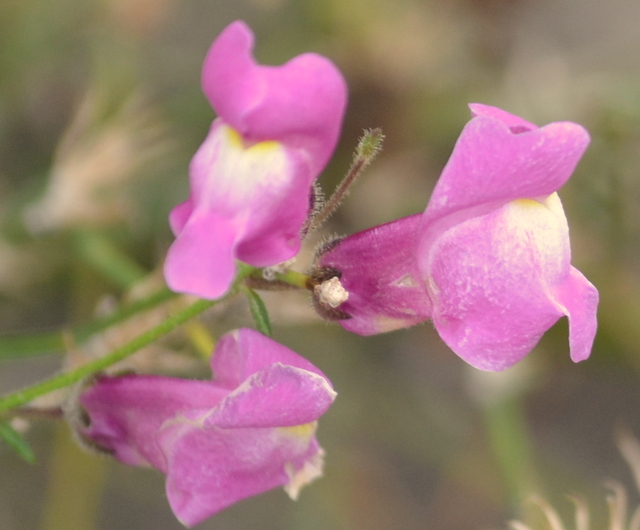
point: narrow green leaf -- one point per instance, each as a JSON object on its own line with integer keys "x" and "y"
{"x": 259, "y": 312}
{"x": 15, "y": 440}
{"x": 100, "y": 252}
{"x": 55, "y": 341}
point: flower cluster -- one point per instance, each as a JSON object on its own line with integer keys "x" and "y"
{"x": 488, "y": 261}
{"x": 253, "y": 427}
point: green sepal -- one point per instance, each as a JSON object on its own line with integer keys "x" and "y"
{"x": 15, "y": 440}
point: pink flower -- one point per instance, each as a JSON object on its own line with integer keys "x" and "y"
{"x": 250, "y": 430}
{"x": 489, "y": 260}
{"x": 251, "y": 178}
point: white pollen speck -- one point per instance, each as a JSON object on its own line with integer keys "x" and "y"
{"x": 331, "y": 293}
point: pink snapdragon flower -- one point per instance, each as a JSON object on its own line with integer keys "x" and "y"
{"x": 251, "y": 178}
{"x": 249, "y": 430}
{"x": 489, "y": 260}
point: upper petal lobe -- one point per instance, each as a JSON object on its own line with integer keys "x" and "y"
{"x": 300, "y": 103}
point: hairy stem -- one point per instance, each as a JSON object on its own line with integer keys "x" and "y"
{"x": 368, "y": 147}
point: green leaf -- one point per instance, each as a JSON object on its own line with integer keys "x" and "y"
{"x": 15, "y": 440}
{"x": 259, "y": 312}
{"x": 99, "y": 252}
{"x": 55, "y": 341}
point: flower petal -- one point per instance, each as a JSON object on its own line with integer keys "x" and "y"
{"x": 492, "y": 280}
{"x": 126, "y": 412}
{"x": 379, "y": 271}
{"x": 247, "y": 203}
{"x": 200, "y": 261}
{"x": 209, "y": 469}
{"x": 579, "y": 300}
{"x": 277, "y": 396}
{"x": 490, "y": 166}
{"x": 241, "y": 353}
{"x": 300, "y": 103}
{"x": 261, "y": 189}
{"x": 276, "y": 128}
{"x": 198, "y": 432}
{"x": 276, "y": 214}
{"x": 179, "y": 216}
{"x": 515, "y": 123}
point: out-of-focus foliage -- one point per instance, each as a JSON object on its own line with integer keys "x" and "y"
{"x": 100, "y": 112}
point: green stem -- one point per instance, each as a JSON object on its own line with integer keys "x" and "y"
{"x": 28, "y": 394}
{"x": 297, "y": 279}
{"x": 26, "y": 345}
{"x": 511, "y": 446}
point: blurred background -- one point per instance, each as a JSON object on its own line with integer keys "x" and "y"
{"x": 100, "y": 112}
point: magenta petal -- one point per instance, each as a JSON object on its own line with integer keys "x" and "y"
{"x": 179, "y": 216}
{"x": 200, "y": 261}
{"x": 515, "y": 123}
{"x": 489, "y": 260}
{"x": 241, "y": 353}
{"x": 378, "y": 269}
{"x": 579, "y": 299}
{"x": 277, "y": 396}
{"x": 126, "y": 412}
{"x": 275, "y": 215}
{"x": 300, "y": 103}
{"x": 494, "y": 245}
{"x": 491, "y": 279}
{"x": 210, "y": 469}
{"x": 271, "y": 234}
{"x": 491, "y": 166}
{"x": 260, "y": 190}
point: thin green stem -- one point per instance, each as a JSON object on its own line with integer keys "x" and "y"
{"x": 511, "y": 446}
{"x": 28, "y": 394}
{"x": 50, "y": 342}
{"x": 294, "y": 278}
{"x": 277, "y": 281}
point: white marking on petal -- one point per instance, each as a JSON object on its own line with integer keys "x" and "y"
{"x": 240, "y": 173}
{"x": 311, "y": 470}
{"x": 406, "y": 281}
